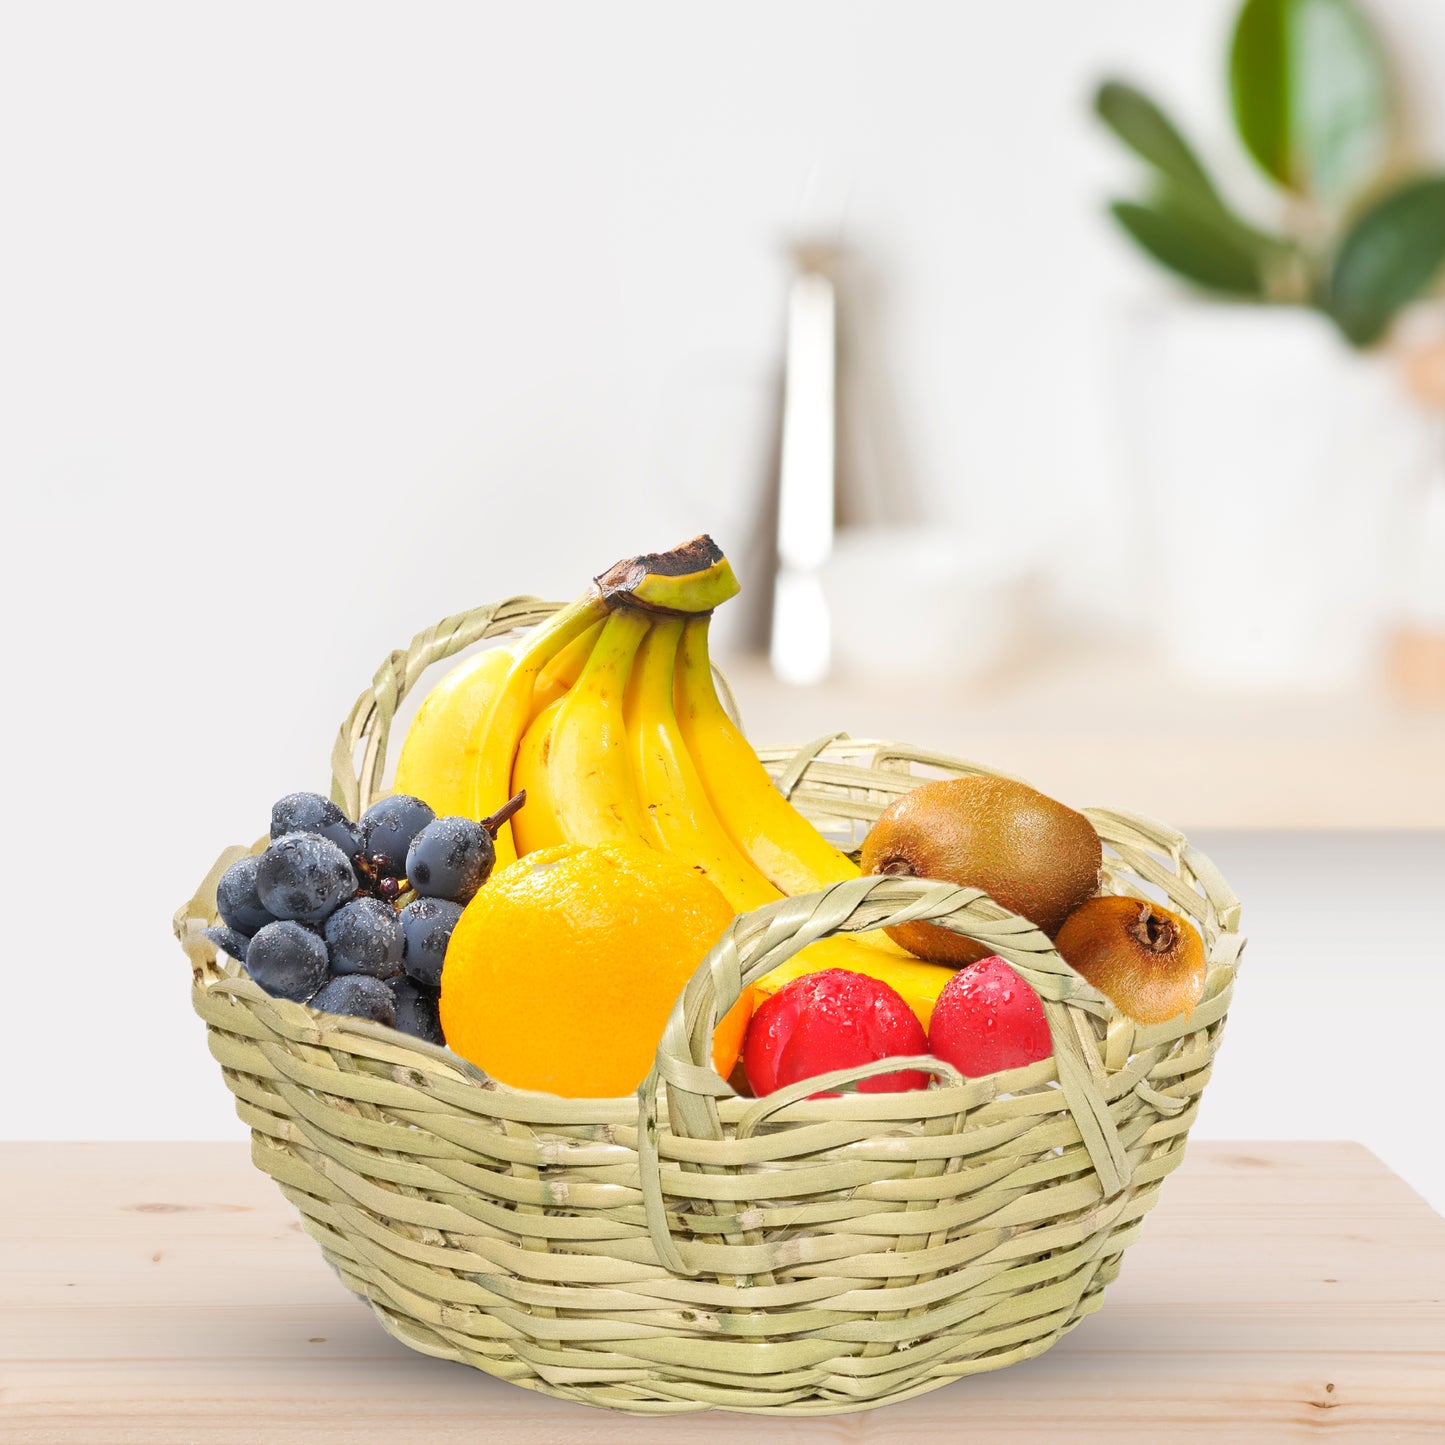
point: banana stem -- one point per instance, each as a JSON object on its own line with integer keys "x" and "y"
{"x": 687, "y": 580}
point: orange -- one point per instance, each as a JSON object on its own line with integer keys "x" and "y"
{"x": 562, "y": 971}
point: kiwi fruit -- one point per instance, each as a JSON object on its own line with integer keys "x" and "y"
{"x": 1030, "y": 854}
{"x": 1147, "y": 961}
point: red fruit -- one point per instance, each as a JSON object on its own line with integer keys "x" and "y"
{"x": 988, "y": 1019}
{"x": 835, "y": 1019}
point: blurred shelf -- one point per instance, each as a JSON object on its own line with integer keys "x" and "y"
{"x": 1102, "y": 728}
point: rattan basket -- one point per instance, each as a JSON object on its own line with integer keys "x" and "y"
{"x": 688, "y": 1249}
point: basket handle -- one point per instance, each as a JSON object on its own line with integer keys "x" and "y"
{"x": 764, "y": 1109}
{"x": 756, "y": 943}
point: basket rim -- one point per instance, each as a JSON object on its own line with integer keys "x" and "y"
{"x": 305, "y": 1022}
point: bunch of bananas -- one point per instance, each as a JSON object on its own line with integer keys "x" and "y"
{"x": 609, "y": 718}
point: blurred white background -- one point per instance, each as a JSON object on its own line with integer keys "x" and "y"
{"x": 319, "y": 322}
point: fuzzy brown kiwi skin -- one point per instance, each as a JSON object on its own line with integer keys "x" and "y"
{"x": 1148, "y": 962}
{"x": 1029, "y": 853}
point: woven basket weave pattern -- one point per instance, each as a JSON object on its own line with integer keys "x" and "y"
{"x": 688, "y": 1249}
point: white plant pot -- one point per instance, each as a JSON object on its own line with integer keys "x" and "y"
{"x": 1274, "y": 460}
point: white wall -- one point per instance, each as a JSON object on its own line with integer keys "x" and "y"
{"x": 318, "y": 322}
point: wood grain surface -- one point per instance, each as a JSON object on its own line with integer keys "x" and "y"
{"x": 164, "y": 1293}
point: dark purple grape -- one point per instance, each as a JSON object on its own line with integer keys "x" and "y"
{"x": 288, "y": 960}
{"x": 387, "y": 829}
{"x": 304, "y": 877}
{"x": 428, "y": 924}
{"x": 311, "y": 813}
{"x": 237, "y": 900}
{"x": 229, "y": 941}
{"x": 450, "y": 858}
{"x": 364, "y": 936}
{"x": 416, "y": 1010}
{"x": 358, "y": 995}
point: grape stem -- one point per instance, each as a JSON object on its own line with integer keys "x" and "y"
{"x": 495, "y": 821}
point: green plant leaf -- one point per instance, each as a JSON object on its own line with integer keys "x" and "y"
{"x": 1388, "y": 257}
{"x": 1192, "y": 244}
{"x": 1150, "y": 134}
{"x": 1311, "y": 95}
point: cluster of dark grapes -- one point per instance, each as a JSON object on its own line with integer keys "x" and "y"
{"x": 354, "y": 918}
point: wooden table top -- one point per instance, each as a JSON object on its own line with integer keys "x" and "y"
{"x": 164, "y": 1292}
{"x": 1199, "y": 758}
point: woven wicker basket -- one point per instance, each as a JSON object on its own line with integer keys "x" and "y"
{"x": 688, "y": 1249}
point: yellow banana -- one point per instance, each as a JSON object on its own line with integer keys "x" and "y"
{"x": 679, "y": 818}
{"x": 588, "y": 763}
{"x": 789, "y": 851}
{"x": 501, "y": 728}
{"x": 688, "y": 578}
{"x": 786, "y": 847}
{"x": 564, "y": 669}
{"x": 439, "y": 755}
{"x": 535, "y": 825}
